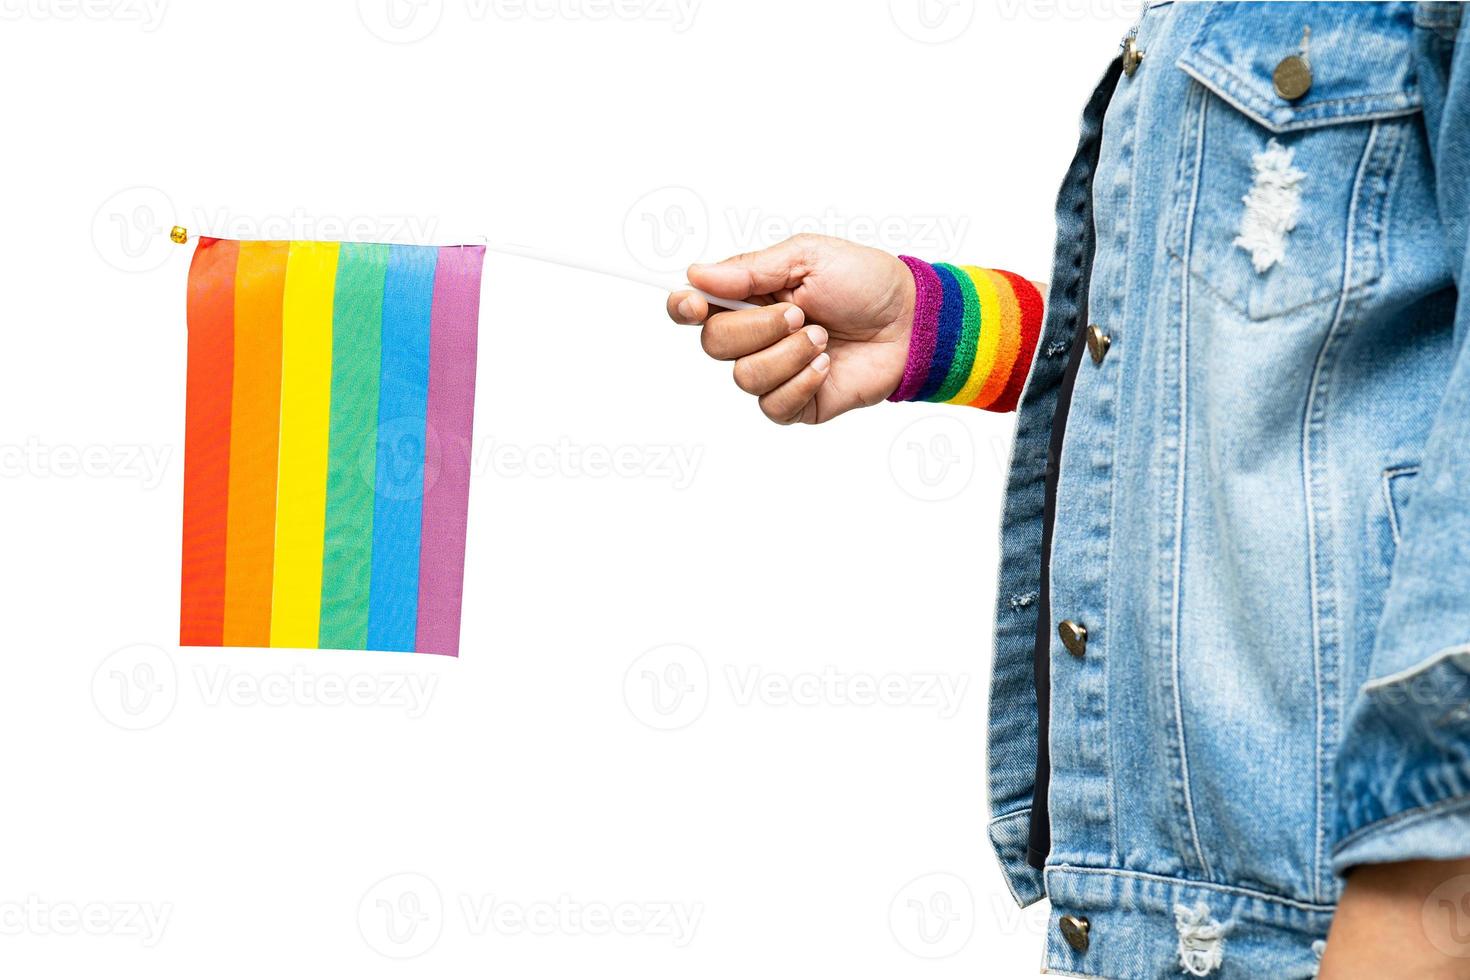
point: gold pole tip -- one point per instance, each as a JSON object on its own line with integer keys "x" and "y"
{"x": 179, "y": 235}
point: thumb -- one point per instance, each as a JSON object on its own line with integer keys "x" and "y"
{"x": 771, "y": 270}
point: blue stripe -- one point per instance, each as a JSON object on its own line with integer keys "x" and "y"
{"x": 398, "y": 498}
{"x": 947, "y": 338}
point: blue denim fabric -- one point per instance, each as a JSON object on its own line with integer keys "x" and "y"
{"x": 1263, "y": 501}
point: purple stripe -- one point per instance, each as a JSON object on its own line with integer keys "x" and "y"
{"x": 454, "y": 329}
{"x": 927, "y": 297}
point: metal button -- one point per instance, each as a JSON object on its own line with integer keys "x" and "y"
{"x": 1074, "y": 637}
{"x": 1292, "y": 77}
{"x": 1075, "y": 930}
{"x": 1097, "y": 343}
{"x": 1132, "y": 55}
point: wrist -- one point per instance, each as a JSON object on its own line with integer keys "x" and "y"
{"x": 972, "y": 338}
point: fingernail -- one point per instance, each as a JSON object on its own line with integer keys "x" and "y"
{"x": 686, "y": 309}
{"x": 816, "y": 335}
{"x": 821, "y": 361}
{"x": 794, "y": 317}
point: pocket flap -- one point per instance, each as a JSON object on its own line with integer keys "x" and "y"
{"x": 1360, "y": 56}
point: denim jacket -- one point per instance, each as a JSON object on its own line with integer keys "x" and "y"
{"x": 1260, "y": 549}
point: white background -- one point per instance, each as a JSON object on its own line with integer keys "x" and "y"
{"x": 657, "y": 755}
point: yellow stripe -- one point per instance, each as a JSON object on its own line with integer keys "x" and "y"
{"x": 1008, "y": 344}
{"x": 990, "y": 324}
{"x": 301, "y": 488}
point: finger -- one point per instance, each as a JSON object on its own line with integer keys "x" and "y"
{"x": 768, "y": 369}
{"x": 771, "y": 270}
{"x": 727, "y": 336}
{"x": 789, "y": 402}
{"x": 687, "y": 306}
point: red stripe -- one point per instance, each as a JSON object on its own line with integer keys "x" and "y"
{"x": 207, "y": 441}
{"x": 1030, "y": 302}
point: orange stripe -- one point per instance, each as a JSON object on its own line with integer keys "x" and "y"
{"x": 207, "y": 441}
{"x": 259, "y": 284}
{"x": 1010, "y": 342}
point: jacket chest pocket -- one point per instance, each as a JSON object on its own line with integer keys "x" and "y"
{"x": 1292, "y": 136}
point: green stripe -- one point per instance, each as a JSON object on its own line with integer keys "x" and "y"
{"x": 964, "y": 352}
{"x": 347, "y": 557}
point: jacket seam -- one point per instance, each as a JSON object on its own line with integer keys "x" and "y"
{"x": 1428, "y": 663}
{"x": 1389, "y": 475}
{"x": 1313, "y": 907}
{"x": 1321, "y": 570}
{"x": 1002, "y": 818}
{"x": 1303, "y": 118}
{"x": 1405, "y": 818}
{"x": 1179, "y": 488}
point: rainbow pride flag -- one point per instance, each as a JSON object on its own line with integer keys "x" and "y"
{"x": 327, "y": 444}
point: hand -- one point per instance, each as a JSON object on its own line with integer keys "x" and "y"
{"x": 857, "y": 306}
{"x": 1390, "y": 926}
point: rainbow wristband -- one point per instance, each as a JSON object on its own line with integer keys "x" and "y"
{"x": 974, "y": 335}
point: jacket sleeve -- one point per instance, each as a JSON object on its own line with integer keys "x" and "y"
{"x": 974, "y": 336}
{"x": 1404, "y": 763}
